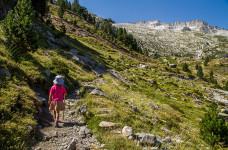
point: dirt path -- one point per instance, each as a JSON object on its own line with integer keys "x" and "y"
{"x": 72, "y": 133}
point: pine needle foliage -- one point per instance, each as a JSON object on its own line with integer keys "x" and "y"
{"x": 213, "y": 129}
{"x": 18, "y": 30}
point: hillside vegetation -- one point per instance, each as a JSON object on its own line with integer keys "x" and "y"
{"x": 149, "y": 95}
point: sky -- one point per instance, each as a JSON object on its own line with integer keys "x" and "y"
{"x": 214, "y": 12}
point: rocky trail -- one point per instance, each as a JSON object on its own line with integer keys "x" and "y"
{"x": 71, "y": 134}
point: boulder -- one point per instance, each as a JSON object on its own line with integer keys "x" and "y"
{"x": 225, "y": 111}
{"x": 42, "y": 100}
{"x": 224, "y": 116}
{"x": 166, "y": 140}
{"x": 134, "y": 108}
{"x": 127, "y": 131}
{"x": 98, "y": 91}
{"x": 5, "y": 72}
{"x": 84, "y": 132}
{"x": 166, "y": 130}
{"x": 104, "y": 124}
{"x": 147, "y": 139}
{"x": 177, "y": 139}
{"x": 82, "y": 109}
{"x": 173, "y": 65}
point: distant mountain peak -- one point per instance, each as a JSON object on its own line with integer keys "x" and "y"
{"x": 192, "y": 25}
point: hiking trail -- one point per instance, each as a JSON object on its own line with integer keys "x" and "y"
{"x": 71, "y": 134}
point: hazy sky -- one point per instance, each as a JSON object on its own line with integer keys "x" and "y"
{"x": 214, "y": 12}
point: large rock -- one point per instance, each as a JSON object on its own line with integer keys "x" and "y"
{"x": 166, "y": 130}
{"x": 225, "y": 111}
{"x": 166, "y": 140}
{"x": 84, "y": 132}
{"x": 147, "y": 139}
{"x": 134, "y": 108}
{"x": 106, "y": 124}
{"x": 42, "y": 100}
{"x": 5, "y": 72}
{"x": 224, "y": 116}
{"x": 127, "y": 131}
{"x": 98, "y": 91}
{"x": 82, "y": 109}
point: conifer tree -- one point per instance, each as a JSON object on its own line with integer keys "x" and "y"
{"x": 213, "y": 129}
{"x": 206, "y": 61}
{"x": 185, "y": 68}
{"x": 197, "y": 66}
{"x": 75, "y": 5}
{"x": 61, "y": 9}
{"x": 212, "y": 79}
{"x": 18, "y": 30}
{"x": 200, "y": 73}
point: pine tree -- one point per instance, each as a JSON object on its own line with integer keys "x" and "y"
{"x": 213, "y": 129}
{"x": 212, "y": 79}
{"x": 200, "y": 73}
{"x": 75, "y": 5}
{"x": 185, "y": 68}
{"x": 197, "y": 66}
{"x": 18, "y": 30}
{"x": 206, "y": 61}
{"x": 61, "y": 9}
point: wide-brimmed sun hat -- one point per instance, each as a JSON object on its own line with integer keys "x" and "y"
{"x": 58, "y": 80}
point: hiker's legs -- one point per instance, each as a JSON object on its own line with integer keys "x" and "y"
{"x": 57, "y": 114}
{"x": 54, "y": 113}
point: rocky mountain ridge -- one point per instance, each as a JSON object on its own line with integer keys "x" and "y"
{"x": 196, "y": 39}
{"x": 192, "y": 25}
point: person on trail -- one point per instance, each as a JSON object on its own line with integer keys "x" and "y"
{"x": 56, "y": 95}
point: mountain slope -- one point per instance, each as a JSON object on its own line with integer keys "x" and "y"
{"x": 115, "y": 85}
{"x": 196, "y": 39}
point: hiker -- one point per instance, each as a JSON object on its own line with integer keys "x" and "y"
{"x": 56, "y": 94}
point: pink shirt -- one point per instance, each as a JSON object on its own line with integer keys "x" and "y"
{"x": 57, "y": 92}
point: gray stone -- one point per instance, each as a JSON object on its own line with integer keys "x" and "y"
{"x": 177, "y": 139}
{"x": 127, "y": 131}
{"x": 42, "y": 100}
{"x": 225, "y": 111}
{"x": 173, "y": 65}
{"x": 98, "y": 91}
{"x": 146, "y": 138}
{"x": 107, "y": 124}
{"x": 165, "y": 129}
{"x": 224, "y": 116}
{"x": 166, "y": 140}
{"x": 72, "y": 112}
{"x": 5, "y": 72}
{"x": 130, "y": 137}
{"x": 82, "y": 109}
{"x": 72, "y": 145}
{"x": 165, "y": 148}
{"x": 134, "y": 108}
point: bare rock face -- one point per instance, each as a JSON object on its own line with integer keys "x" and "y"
{"x": 194, "y": 38}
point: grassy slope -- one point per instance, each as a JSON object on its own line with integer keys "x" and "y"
{"x": 177, "y": 111}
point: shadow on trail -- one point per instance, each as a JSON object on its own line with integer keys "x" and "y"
{"x": 71, "y": 124}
